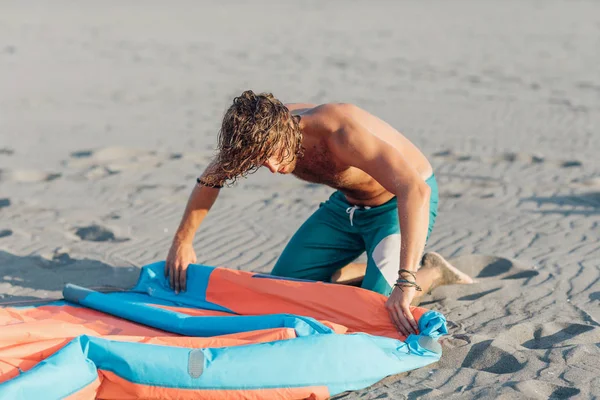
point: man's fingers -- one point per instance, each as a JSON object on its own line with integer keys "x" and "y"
{"x": 182, "y": 278}
{"x": 172, "y": 276}
{"x": 398, "y": 324}
{"x": 403, "y": 320}
{"x": 410, "y": 319}
{"x": 177, "y": 273}
{"x": 405, "y": 324}
{"x": 394, "y": 316}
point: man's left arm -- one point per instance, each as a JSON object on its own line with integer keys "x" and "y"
{"x": 355, "y": 145}
{"x": 358, "y": 147}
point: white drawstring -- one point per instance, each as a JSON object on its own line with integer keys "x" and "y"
{"x": 350, "y": 210}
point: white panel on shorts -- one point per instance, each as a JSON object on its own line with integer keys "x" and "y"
{"x": 386, "y": 256}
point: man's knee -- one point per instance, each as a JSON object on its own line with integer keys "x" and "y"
{"x": 386, "y": 256}
{"x": 288, "y": 265}
{"x": 279, "y": 269}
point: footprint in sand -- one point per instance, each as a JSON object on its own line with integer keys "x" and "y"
{"x": 109, "y": 161}
{"x": 589, "y": 200}
{"x": 573, "y": 338}
{"x": 104, "y": 162}
{"x": 451, "y": 155}
{"x": 519, "y": 157}
{"x": 470, "y": 185}
{"x": 97, "y": 233}
{"x": 450, "y": 195}
{"x": 522, "y": 275}
{"x": 476, "y": 296}
{"x": 27, "y": 176}
{"x": 554, "y": 334}
{"x": 109, "y": 154}
{"x": 443, "y": 153}
{"x": 484, "y": 266}
{"x": 112, "y": 215}
{"x": 571, "y": 164}
{"x": 82, "y": 154}
{"x": 4, "y": 203}
{"x": 508, "y": 157}
{"x": 483, "y": 355}
{"x": 487, "y": 271}
{"x": 543, "y": 390}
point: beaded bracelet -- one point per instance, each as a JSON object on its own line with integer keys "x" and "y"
{"x": 203, "y": 183}
{"x": 400, "y": 283}
{"x": 401, "y": 271}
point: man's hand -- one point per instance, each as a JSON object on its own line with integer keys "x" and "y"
{"x": 181, "y": 255}
{"x": 398, "y": 305}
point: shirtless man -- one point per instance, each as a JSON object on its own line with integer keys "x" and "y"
{"x": 384, "y": 186}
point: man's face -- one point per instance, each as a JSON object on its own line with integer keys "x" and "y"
{"x": 277, "y": 164}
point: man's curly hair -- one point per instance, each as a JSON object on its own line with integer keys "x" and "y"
{"x": 254, "y": 128}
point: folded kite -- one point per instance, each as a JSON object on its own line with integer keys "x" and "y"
{"x": 231, "y": 335}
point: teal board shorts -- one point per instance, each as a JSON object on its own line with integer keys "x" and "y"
{"x": 338, "y": 232}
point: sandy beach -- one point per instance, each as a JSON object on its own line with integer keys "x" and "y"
{"x": 109, "y": 111}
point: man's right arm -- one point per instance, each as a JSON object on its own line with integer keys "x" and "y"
{"x": 181, "y": 253}
{"x": 199, "y": 203}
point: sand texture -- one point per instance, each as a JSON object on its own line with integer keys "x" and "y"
{"x": 109, "y": 110}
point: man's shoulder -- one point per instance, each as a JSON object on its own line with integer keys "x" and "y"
{"x": 335, "y": 108}
{"x": 300, "y": 107}
{"x": 333, "y": 113}
{"x": 327, "y": 108}
{"x": 329, "y": 122}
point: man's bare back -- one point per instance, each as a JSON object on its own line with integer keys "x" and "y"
{"x": 319, "y": 165}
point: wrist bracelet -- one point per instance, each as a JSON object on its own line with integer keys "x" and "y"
{"x": 400, "y": 283}
{"x": 405, "y": 271}
{"x": 203, "y": 183}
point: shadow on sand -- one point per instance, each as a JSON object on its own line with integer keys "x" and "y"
{"x": 25, "y": 278}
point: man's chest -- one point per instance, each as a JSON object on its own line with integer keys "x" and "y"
{"x": 319, "y": 166}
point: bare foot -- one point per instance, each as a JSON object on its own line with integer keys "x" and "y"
{"x": 448, "y": 274}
